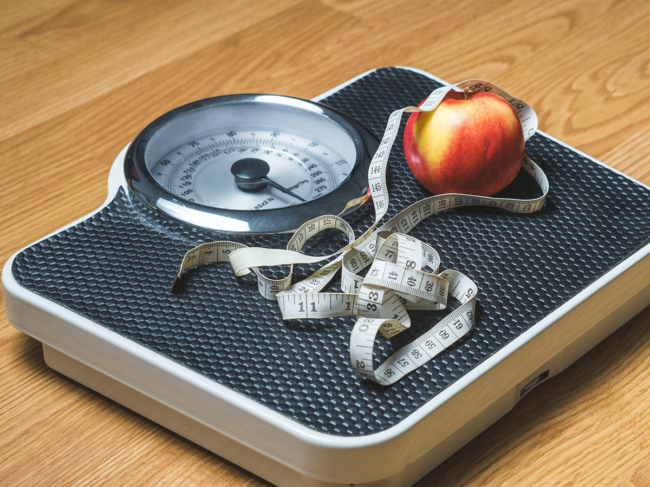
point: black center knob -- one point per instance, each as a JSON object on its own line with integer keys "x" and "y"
{"x": 250, "y": 174}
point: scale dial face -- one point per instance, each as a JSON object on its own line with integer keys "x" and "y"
{"x": 200, "y": 171}
{"x": 250, "y": 163}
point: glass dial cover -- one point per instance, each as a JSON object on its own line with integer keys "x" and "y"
{"x": 250, "y": 163}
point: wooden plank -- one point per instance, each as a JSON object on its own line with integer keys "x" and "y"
{"x": 90, "y": 48}
{"x": 119, "y": 448}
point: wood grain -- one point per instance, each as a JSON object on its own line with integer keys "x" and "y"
{"x": 78, "y": 80}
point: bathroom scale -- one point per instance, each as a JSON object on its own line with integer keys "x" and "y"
{"x": 215, "y": 362}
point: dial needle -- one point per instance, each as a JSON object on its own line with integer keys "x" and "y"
{"x": 283, "y": 189}
{"x": 251, "y": 175}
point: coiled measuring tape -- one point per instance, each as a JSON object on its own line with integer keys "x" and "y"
{"x": 402, "y": 271}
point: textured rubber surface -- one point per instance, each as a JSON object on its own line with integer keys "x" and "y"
{"x": 525, "y": 267}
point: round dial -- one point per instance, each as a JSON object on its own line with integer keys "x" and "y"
{"x": 250, "y": 163}
{"x": 209, "y": 170}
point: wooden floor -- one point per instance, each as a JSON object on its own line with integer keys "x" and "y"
{"x": 78, "y": 80}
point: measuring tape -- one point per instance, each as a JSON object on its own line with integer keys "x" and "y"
{"x": 402, "y": 272}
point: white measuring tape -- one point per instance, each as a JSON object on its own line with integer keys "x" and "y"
{"x": 403, "y": 272}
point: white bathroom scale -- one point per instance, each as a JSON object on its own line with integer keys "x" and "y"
{"x": 214, "y": 361}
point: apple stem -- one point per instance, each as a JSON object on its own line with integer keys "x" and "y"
{"x": 467, "y": 93}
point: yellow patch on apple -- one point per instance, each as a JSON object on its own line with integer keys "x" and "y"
{"x": 471, "y": 143}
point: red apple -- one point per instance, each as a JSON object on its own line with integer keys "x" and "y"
{"x": 472, "y": 143}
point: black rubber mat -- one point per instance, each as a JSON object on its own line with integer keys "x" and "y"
{"x": 116, "y": 268}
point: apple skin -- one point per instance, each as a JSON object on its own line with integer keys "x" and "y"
{"x": 471, "y": 144}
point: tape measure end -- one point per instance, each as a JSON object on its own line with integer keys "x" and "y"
{"x": 174, "y": 282}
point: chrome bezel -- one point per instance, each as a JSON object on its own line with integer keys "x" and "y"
{"x": 143, "y": 185}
